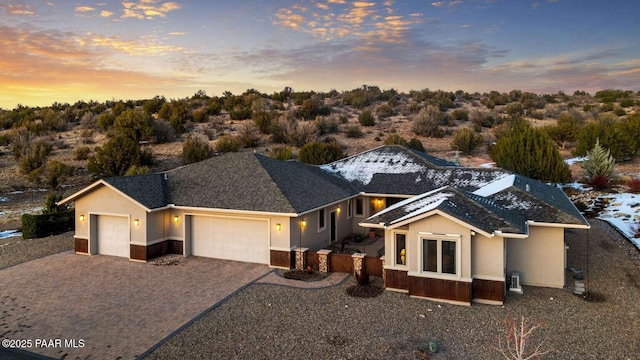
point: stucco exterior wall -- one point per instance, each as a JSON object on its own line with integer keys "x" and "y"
{"x": 436, "y": 224}
{"x": 316, "y": 239}
{"x": 106, "y": 201}
{"x": 539, "y": 258}
{"x": 487, "y": 257}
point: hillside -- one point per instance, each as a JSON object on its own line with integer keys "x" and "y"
{"x": 260, "y": 122}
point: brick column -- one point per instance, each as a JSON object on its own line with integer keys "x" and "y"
{"x": 323, "y": 259}
{"x": 384, "y": 272}
{"x": 358, "y": 268}
{"x": 301, "y": 258}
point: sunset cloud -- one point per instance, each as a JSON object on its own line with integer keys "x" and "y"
{"x": 148, "y": 9}
{"x": 18, "y": 9}
{"x": 132, "y": 47}
{"x": 106, "y": 13}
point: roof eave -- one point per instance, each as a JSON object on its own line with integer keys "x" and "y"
{"x": 559, "y": 225}
{"x": 91, "y": 187}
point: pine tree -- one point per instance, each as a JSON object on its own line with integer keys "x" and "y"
{"x": 599, "y": 163}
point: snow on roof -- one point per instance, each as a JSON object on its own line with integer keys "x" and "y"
{"x": 513, "y": 202}
{"x": 496, "y": 186}
{"x": 415, "y": 207}
{"x": 363, "y": 166}
{"x": 465, "y": 178}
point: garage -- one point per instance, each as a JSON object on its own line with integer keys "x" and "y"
{"x": 230, "y": 238}
{"x": 112, "y": 235}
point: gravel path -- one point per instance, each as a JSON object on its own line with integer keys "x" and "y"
{"x": 16, "y": 250}
{"x": 278, "y": 322}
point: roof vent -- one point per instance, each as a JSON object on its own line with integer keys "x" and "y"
{"x": 165, "y": 176}
{"x": 527, "y": 188}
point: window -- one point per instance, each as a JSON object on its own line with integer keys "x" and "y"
{"x": 439, "y": 256}
{"x": 321, "y": 220}
{"x": 401, "y": 249}
{"x": 359, "y": 207}
{"x": 349, "y": 209}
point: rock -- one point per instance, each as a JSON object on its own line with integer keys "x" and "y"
{"x": 422, "y": 316}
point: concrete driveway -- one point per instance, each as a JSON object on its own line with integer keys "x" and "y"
{"x": 76, "y": 306}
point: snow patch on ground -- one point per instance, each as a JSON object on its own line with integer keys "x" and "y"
{"x": 4, "y": 199}
{"x": 487, "y": 165}
{"x": 9, "y": 233}
{"x": 575, "y": 160}
{"x": 623, "y": 212}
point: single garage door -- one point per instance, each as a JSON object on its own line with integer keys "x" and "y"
{"x": 113, "y": 235}
{"x": 230, "y": 238}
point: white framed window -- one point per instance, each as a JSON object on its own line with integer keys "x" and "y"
{"x": 349, "y": 209}
{"x": 440, "y": 255}
{"x": 359, "y": 207}
{"x": 400, "y": 248}
{"x": 322, "y": 219}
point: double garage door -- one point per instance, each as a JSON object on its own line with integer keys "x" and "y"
{"x": 230, "y": 238}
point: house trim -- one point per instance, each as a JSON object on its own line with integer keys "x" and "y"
{"x": 95, "y": 185}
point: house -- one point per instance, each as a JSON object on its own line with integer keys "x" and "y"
{"x": 451, "y": 233}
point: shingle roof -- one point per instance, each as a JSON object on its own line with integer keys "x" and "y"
{"x": 149, "y": 190}
{"x": 472, "y": 209}
{"x": 248, "y": 181}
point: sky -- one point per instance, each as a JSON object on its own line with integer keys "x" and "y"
{"x": 66, "y": 51}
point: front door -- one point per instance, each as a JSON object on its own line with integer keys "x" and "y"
{"x": 333, "y": 227}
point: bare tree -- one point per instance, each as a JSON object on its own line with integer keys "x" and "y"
{"x": 518, "y": 335}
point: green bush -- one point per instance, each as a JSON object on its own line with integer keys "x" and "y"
{"x": 195, "y": 149}
{"x": 427, "y": 122}
{"x": 318, "y": 153}
{"x": 163, "y": 132}
{"x": 353, "y": 131}
{"x": 395, "y": 139}
{"x": 81, "y": 153}
{"x": 326, "y": 124}
{"x": 466, "y": 140}
{"x": 460, "y": 114}
{"x": 240, "y": 113}
{"x": 385, "y": 111}
{"x": 366, "y": 118}
{"x": 619, "y": 112}
{"x": 115, "y": 157}
{"x": 37, "y": 226}
{"x": 227, "y": 143}
{"x": 281, "y": 153}
{"x": 627, "y": 102}
{"x": 607, "y": 107}
{"x": 416, "y": 144}
{"x": 530, "y": 152}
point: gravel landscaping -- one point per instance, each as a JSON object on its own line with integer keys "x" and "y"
{"x": 278, "y": 322}
{"x": 16, "y": 250}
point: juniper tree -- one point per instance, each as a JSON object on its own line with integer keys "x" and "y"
{"x": 530, "y": 152}
{"x": 599, "y": 163}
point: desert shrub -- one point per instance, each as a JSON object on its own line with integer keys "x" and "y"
{"x": 263, "y": 120}
{"x": 33, "y": 159}
{"x": 536, "y": 114}
{"x": 136, "y": 170}
{"x": 240, "y": 113}
{"x": 607, "y": 107}
{"x": 57, "y": 173}
{"x": 105, "y": 120}
{"x": 326, "y": 124}
{"x": 81, "y": 153}
{"x": 395, "y": 139}
{"x": 634, "y": 185}
{"x": 318, "y": 153}
{"x": 384, "y": 111}
{"x": 366, "y": 118}
{"x": 460, "y": 114}
{"x": 466, "y": 140}
{"x": 530, "y": 152}
{"x": 195, "y": 149}
{"x": 86, "y": 136}
{"x": 115, "y": 157}
{"x": 133, "y": 124}
{"x": 248, "y": 135}
{"x": 227, "y": 143}
{"x": 427, "y": 122}
{"x": 163, "y": 132}
{"x": 600, "y": 182}
{"x": 619, "y": 112}
{"x": 627, "y": 102}
{"x": 353, "y": 131}
{"x": 281, "y": 153}
{"x": 485, "y": 119}
{"x": 416, "y": 144}
{"x": 51, "y": 206}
